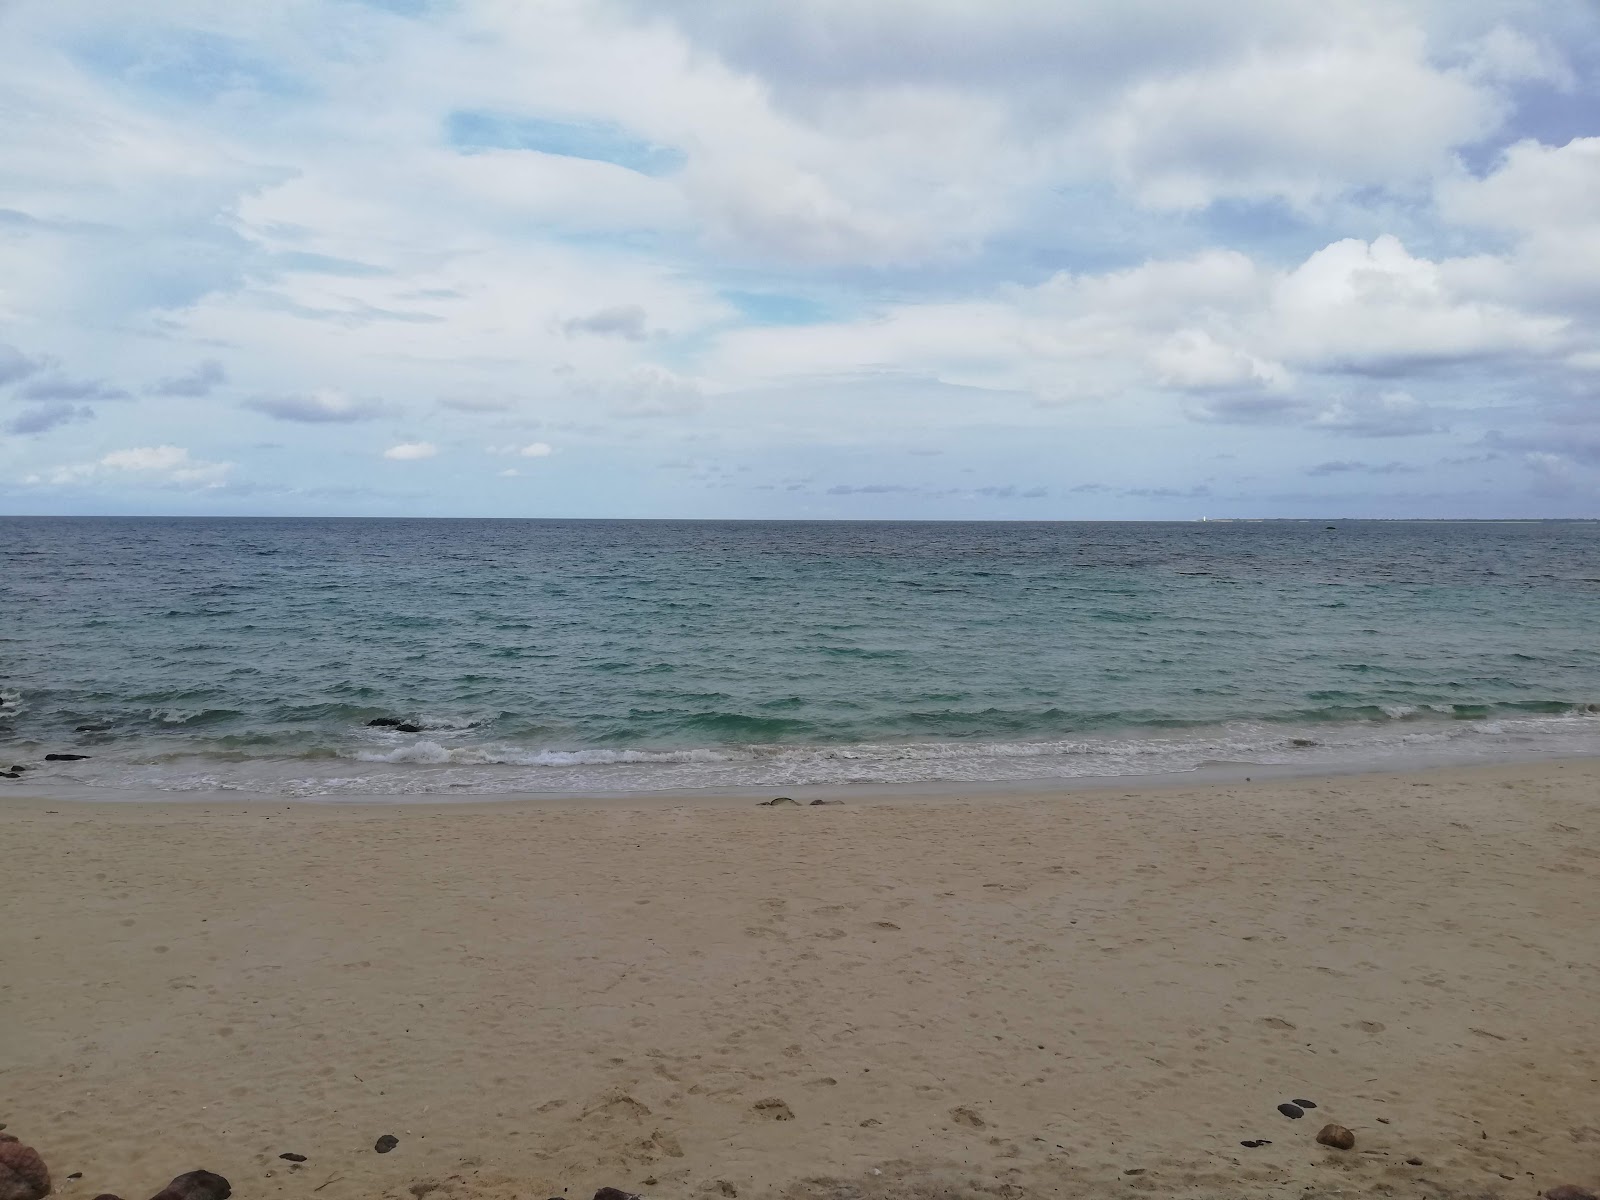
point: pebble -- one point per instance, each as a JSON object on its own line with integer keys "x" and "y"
{"x": 1293, "y": 1112}
{"x": 778, "y": 800}
{"x": 1413, "y": 1162}
{"x": 1254, "y": 1143}
{"x": 1306, "y": 1103}
{"x": 293, "y": 1157}
{"x": 386, "y": 1143}
{"x": 196, "y": 1185}
{"x": 1569, "y": 1191}
{"x": 1336, "y": 1136}
{"x": 610, "y": 1193}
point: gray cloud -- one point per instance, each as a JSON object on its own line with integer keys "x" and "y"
{"x": 474, "y": 404}
{"x": 318, "y": 408}
{"x": 201, "y": 381}
{"x": 60, "y": 388}
{"x": 15, "y": 365}
{"x": 623, "y": 321}
{"x": 1348, "y": 467}
{"x": 42, "y": 418}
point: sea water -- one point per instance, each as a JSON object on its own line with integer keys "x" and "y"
{"x": 561, "y": 656}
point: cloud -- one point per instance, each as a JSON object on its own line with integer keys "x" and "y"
{"x": 165, "y": 465}
{"x": 202, "y": 380}
{"x": 320, "y": 407}
{"x": 651, "y": 393}
{"x": 15, "y": 365}
{"x": 624, "y": 321}
{"x": 530, "y": 450}
{"x": 60, "y": 388}
{"x": 1347, "y": 467}
{"x": 475, "y": 404}
{"x": 44, "y": 417}
{"x": 410, "y": 451}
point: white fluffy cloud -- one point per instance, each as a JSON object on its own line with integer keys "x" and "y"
{"x": 143, "y": 465}
{"x": 411, "y": 451}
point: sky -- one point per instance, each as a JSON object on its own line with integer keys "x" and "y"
{"x": 943, "y": 259}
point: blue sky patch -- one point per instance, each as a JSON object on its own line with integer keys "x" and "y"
{"x": 600, "y": 141}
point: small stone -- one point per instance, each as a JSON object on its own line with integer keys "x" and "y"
{"x": 386, "y": 1143}
{"x": 1293, "y": 1112}
{"x": 610, "y": 1193}
{"x": 1569, "y": 1191}
{"x": 1336, "y": 1136}
{"x": 196, "y": 1185}
{"x": 10, "y": 774}
{"x": 779, "y": 800}
{"x": 23, "y": 1175}
{"x": 293, "y": 1157}
{"x": 1306, "y": 1103}
{"x": 76, "y": 1175}
{"x": 1413, "y": 1162}
{"x": 1383, "y": 1120}
{"x": 64, "y": 757}
{"x": 871, "y": 1123}
{"x": 1134, "y": 1171}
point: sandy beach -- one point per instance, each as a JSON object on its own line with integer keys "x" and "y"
{"x": 1099, "y": 992}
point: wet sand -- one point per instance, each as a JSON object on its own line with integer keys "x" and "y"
{"x": 1097, "y": 992}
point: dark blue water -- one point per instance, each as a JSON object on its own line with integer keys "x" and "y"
{"x": 613, "y": 654}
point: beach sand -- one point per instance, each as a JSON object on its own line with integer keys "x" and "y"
{"x": 1095, "y": 993}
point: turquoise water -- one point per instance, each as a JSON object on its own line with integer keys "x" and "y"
{"x": 600, "y": 655}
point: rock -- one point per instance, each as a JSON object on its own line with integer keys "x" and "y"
{"x": 91, "y": 728}
{"x": 293, "y": 1157}
{"x": 1302, "y": 743}
{"x": 1293, "y": 1112}
{"x": 814, "y": 803}
{"x": 1252, "y": 1143}
{"x": 1336, "y": 1136}
{"x": 1569, "y": 1191}
{"x": 777, "y": 800}
{"x": 383, "y": 722}
{"x": 10, "y": 774}
{"x": 774, "y": 1108}
{"x": 23, "y": 1175}
{"x": 76, "y": 1175}
{"x": 386, "y": 1143}
{"x": 408, "y": 727}
{"x": 107, "y": 1196}
{"x": 64, "y": 757}
{"x": 19, "y": 767}
{"x": 196, "y": 1185}
{"x": 1413, "y": 1162}
{"x": 1306, "y": 1103}
{"x": 614, "y": 1194}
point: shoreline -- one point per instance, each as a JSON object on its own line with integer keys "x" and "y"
{"x": 1208, "y": 775}
{"x": 1091, "y": 992}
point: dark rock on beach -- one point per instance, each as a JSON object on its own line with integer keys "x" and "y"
{"x": 1569, "y": 1191}
{"x": 1305, "y": 1103}
{"x": 386, "y": 1143}
{"x": 293, "y": 1157}
{"x": 196, "y": 1185}
{"x": 1336, "y": 1136}
{"x": 778, "y": 801}
{"x": 64, "y": 757}
{"x": 10, "y": 774}
{"x": 23, "y": 1175}
{"x": 611, "y": 1193}
{"x": 1293, "y": 1111}
{"x": 814, "y": 803}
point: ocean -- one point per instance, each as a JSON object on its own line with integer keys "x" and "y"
{"x": 614, "y": 656}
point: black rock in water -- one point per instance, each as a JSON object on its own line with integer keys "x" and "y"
{"x": 408, "y": 727}
{"x": 383, "y": 722}
{"x": 91, "y": 728}
{"x": 386, "y": 1143}
{"x": 64, "y": 757}
{"x": 1293, "y": 1111}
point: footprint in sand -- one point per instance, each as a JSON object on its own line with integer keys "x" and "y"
{"x": 965, "y": 1116}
